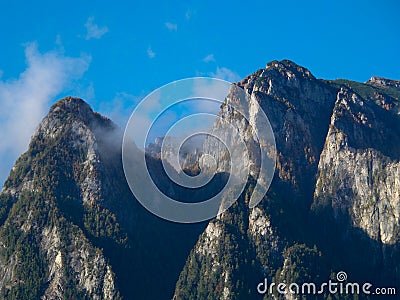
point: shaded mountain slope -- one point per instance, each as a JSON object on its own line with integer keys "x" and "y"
{"x": 334, "y": 202}
{"x": 70, "y": 227}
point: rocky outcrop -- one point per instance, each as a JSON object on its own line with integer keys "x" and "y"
{"x": 337, "y": 158}
{"x": 359, "y": 171}
{"x": 376, "y": 80}
{"x": 298, "y": 107}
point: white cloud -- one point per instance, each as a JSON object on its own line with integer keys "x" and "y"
{"x": 150, "y": 52}
{"x": 210, "y": 89}
{"x": 93, "y": 31}
{"x": 26, "y": 99}
{"x": 226, "y": 74}
{"x": 171, "y": 26}
{"x": 142, "y": 116}
{"x": 209, "y": 58}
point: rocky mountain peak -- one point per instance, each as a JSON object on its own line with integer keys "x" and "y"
{"x": 276, "y": 76}
{"x": 74, "y": 116}
{"x": 66, "y": 181}
{"x": 376, "y": 80}
{"x": 71, "y": 110}
{"x": 336, "y": 178}
{"x": 72, "y": 105}
{"x": 67, "y": 215}
{"x": 290, "y": 67}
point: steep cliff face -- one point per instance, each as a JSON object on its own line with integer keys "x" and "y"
{"x": 359, "y": 171}
{"x": 336, "y": 187}
{"x": 298, "y": 107}
{"x": 231, "y": 256}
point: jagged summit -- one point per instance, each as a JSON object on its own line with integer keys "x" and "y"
{"x": 290, "y": 66}
{"x": 285, "y": 72}
{"x": 376, "y": 80}
{"x": 75, "y": 113}
{"x": 71, "y": 102}
{"x": 336, "y": 180}
{"x": 72, "y": 105}
{"x": 75, "y": 107}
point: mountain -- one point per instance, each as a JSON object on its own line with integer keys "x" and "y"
{"x": 334, "y": 202}
{"x": 70, "y": 228}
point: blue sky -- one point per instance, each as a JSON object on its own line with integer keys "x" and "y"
{"x": 113, "y": 53}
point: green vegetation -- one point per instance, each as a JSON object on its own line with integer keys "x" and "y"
{"x": 367, "y": 91}
{"x": 46, "y": 179}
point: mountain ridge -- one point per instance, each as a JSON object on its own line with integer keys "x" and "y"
{"x": 69, "y": 226}
{"x": 295, "y": 223}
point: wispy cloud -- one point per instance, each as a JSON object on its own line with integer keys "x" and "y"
{"x": 93, "y": 31}
{"x": 150, "y": 52}
{"x": 171, "y": 26}
{"x": 209, "y": 58}
{"x": 144, "y": 114}
{"x": 120, "y": 108}
{"x": 220, "y": 72}
{"x": 226, "y": 74}
{"x": 26, "y": 99}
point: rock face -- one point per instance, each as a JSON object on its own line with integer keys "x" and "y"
{"x": 69, "y": 223}
{"x": 376, "y": 80}
{"x": 71, "y": 229}
{"x": 359, "y": 171}
{"x": 336, "y": 187}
